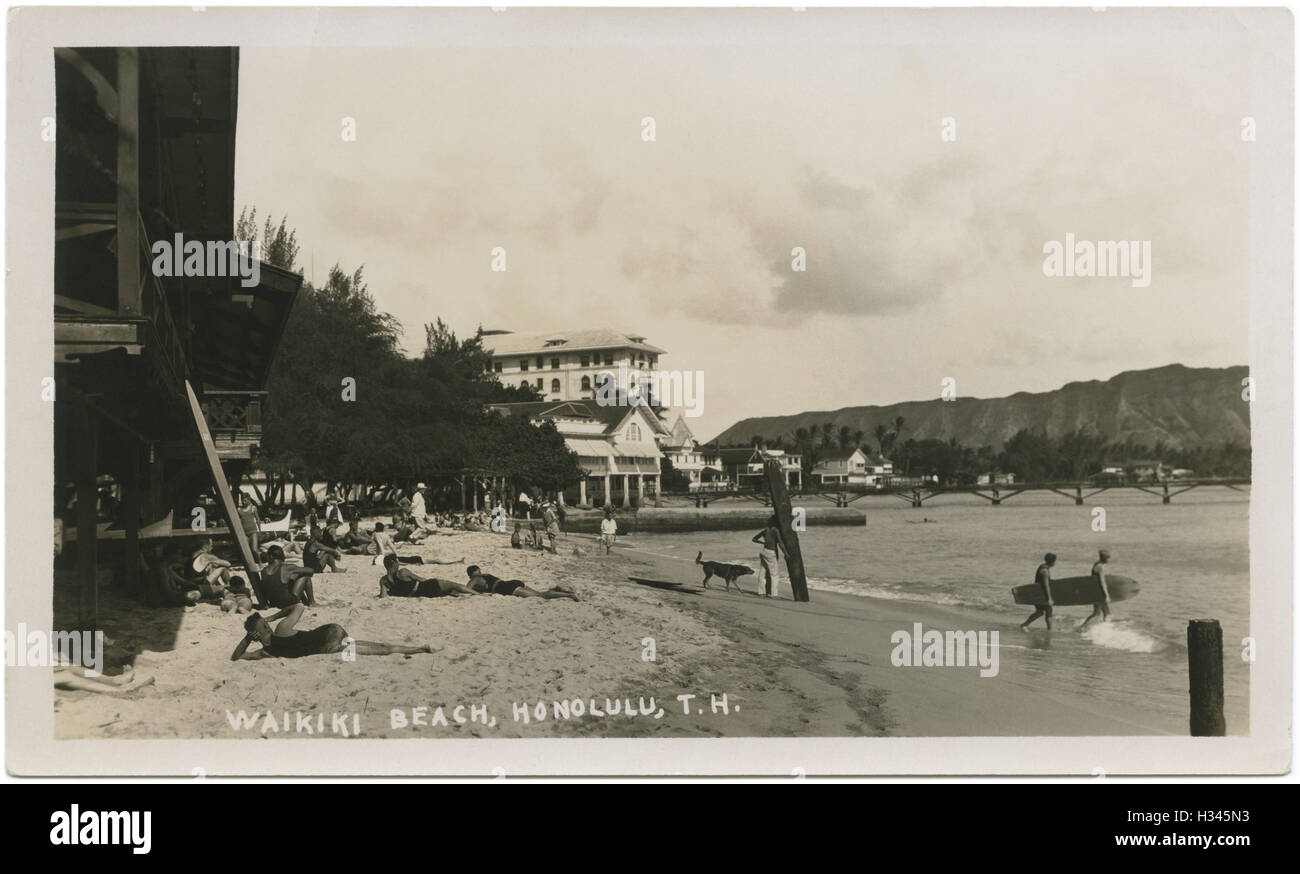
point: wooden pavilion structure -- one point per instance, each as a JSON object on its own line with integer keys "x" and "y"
{"x": 146, "y": 150}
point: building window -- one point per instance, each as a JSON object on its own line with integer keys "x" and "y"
{"x": 540, "y": 363}
{"x": 555, "y": 386}
{"x": 497, "y": 367}
{"x": 523, "y": 383}
{"x": 634, "y": 431}
{"x": 586, "y": 383}
{"x": 555, "y": 364}
{"x": 584, "y": 360}
{"x": 539, "y": 383}
{"x": 523, "y": 363}
{"x": 609, "y": 359}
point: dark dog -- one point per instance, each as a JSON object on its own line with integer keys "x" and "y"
{"x": 728, "y": 572}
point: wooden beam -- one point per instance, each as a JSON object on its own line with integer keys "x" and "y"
{"x": 128, "y": 181}
{"x": 105, "y": 96}
{"x": 223, "y": 493}
{"x": 781, "y": 507}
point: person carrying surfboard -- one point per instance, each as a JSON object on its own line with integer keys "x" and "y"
{"x": 1100, "y": 608}
{"x": 1043, "y": 577}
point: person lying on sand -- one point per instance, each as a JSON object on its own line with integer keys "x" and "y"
{"x": 283, "y": 584}
{"x": 285, "y": 641}
{"x": 237, "y": 598}
{"x": 490, "y": 585}
{"x": 401, "y": 582}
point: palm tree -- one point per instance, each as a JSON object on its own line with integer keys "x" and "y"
{"x": 846, "y": 436}
{"x": 827, "y": 428}
{"x": 882, "y": 435}
{"x": 858, "y": 436}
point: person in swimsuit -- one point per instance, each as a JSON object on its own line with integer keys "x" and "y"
{"x": 1043, "y": 577}
{"x": 287, "y": 642}
{"x": 319, "y": 553}
{"x": 490, "y": 585}
{"x": 284, "y": 585}
{"x": 210, "y": 573}
{"x": 401, "y": 582}
{"x": 1102, "y": 607}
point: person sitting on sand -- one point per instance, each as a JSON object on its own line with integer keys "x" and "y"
{"x": 490, "y": 585}
{"x": 401, "y": 582}
{"x": 516, "y": 541}
{"x": 320, "y": 553}
{"x": 381, "y": 543}
{"x": 608, "y": 531}
{"x": 284, "y": 585}
{"x": 1043, "y": 577}
{"x": 286, "y": 641}
{"x": 168, "y": 586}
{"x": 210, "y": 573}
{"x": 1102, "y": 607}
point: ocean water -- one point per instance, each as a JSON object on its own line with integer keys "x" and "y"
{"x": 1191, "y": 559}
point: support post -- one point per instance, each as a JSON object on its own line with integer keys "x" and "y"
{"x": 582, "y": 490}
{"x": 781, "y": 507}
{"x": 1078, "y": 496}
{"x": 627, "y": 498}
{"x": 1205, "y": 677}
{"x": 1165, "y": 497}
{"x": 640, "y": 491}
{"x": 606, "y": 495}
{"x": 131, "y": 515}
{"x": 87, "y": 453}
{"x": 128, "y": 182}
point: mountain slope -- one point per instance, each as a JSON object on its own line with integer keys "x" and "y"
{"x": 1182, "y": 406}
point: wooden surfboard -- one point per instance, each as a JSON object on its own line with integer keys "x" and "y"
{"x": 658, "y": 584}
{"x": 1077, "y": 591}
{"x": 223, "y": 493}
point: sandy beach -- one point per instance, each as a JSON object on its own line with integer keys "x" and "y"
{"x": 786, "y": 669}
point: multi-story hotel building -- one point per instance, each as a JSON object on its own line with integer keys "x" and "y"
{"x": 568, "y": 365}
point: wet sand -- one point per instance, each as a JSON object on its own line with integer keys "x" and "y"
{"x": 576, "y": 669}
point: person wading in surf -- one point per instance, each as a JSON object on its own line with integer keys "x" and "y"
{"x": 1100, "y": 608}
{"x": 1043, "y": 577}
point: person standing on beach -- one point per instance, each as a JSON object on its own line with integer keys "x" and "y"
{"x": 552, "y": 520}
{"x": 608, "y": 531}
{"x": 769, "y": 555}
{"x": 1043, "y": 577}
{"x": 249, "y": 521}
{"x": 1100, "y": 608}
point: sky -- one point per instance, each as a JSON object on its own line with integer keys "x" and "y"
{"x": 924, "y": 255}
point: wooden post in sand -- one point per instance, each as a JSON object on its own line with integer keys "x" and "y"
{"x": 1205, "y": 677}
{"x": 781, "y": 508}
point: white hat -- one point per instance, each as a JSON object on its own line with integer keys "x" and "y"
{"x": 420, "y": 485}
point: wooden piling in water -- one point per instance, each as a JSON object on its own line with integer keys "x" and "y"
{"x": 1205, "y": 677}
